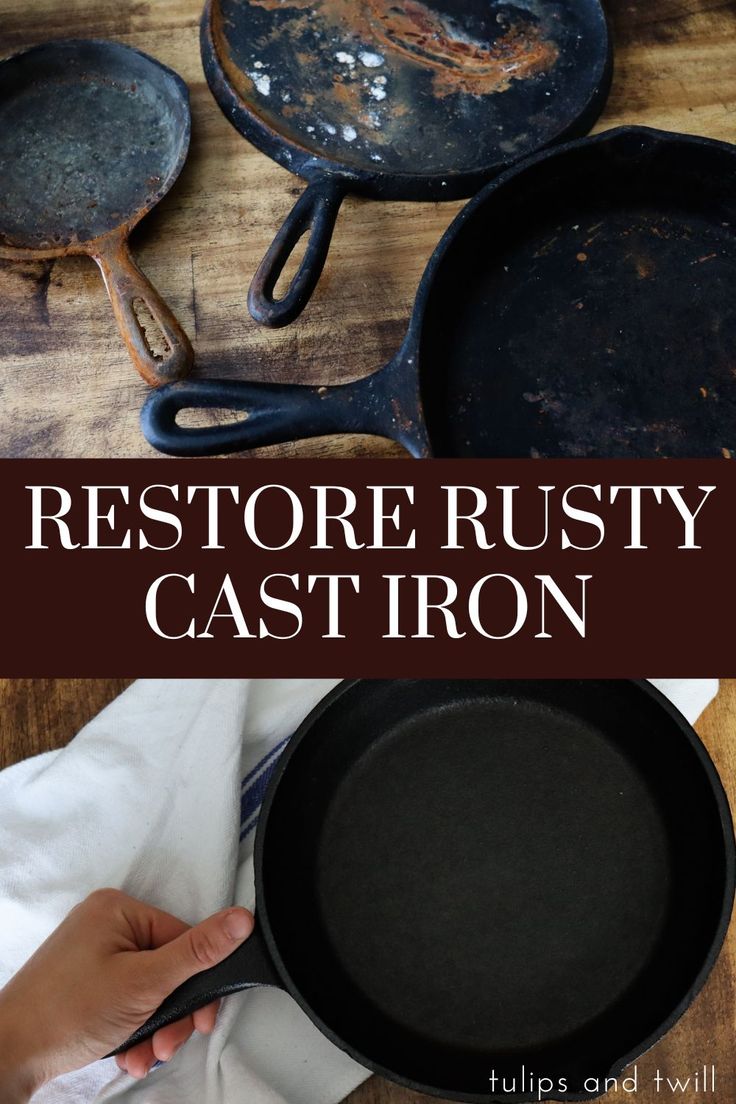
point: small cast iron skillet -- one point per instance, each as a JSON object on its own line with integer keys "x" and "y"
{"x": 581, "y": 305}
{"x": 456, "y": 878}
{"x": 415, "y": 99}
{"x": 92, "y": 135}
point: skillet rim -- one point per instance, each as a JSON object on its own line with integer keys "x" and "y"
{"x": 722, "y": 807}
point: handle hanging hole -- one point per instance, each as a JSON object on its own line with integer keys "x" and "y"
{"x": 292, "y": 266}
{"x": 154, "y": 337}
{"x": 205, "y": 417}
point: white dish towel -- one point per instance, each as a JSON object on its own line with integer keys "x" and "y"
{"x": 159, "y": 796}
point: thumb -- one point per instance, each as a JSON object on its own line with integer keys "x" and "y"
{"x": 198, "y": 948}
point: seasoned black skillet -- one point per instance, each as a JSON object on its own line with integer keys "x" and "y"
{"x": 456, "y": 878}
{"x": 415, "y": 99}
{"x": 584, "y": 304}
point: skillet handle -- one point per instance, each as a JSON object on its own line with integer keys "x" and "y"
{"x": 315, "y": 210}
{"x": 274, "y": 413}
{"x": 250, "y": 965}
{"x": 133, "y": 297}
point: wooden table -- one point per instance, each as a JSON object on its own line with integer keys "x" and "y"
{"x": 67, "y": 386}
{"x": 39, "y": 714}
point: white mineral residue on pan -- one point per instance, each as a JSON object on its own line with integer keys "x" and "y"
{"x": 261, "y": 80}
{"x": 349, "y": 133}
{"x": 345, "y": 58}
{"x": 371, "y": 60}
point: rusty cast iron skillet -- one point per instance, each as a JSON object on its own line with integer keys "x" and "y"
{"x": 460, "y": 877}
{"x": 584, "y": 304}
{"x": 92, "y": 135}
{"x": 415, "y": 99}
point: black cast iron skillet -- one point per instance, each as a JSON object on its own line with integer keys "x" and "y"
{"x": 92, "y": 135}
{"x": 415, "y": 99}
{"x": 584, "y": 304}
{"x": 456, "y": 878}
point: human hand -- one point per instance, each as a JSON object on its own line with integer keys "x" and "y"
{"x": 96, "y": 979}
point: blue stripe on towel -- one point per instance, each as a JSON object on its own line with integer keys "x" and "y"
{"x": 248, "y": 827}
{"x": 262, "y": 762}
{"x": 254, "y": 787}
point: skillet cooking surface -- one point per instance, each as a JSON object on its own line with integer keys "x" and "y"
{"x": 90, "y": 134}
{"x": 493, "y": 872}
{"x": 589, "y": 309}
{"x": 455, "y": 86}
{"x": 474, "y": 836}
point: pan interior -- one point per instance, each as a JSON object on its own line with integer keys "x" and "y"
{"x": 587, "y": 309}
{"x": 416, "y": 87}
{"x": 465, "y": 877}
{"x": 91, "y": 135}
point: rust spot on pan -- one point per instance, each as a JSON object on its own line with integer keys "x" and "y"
{"x": 380, "y": 84}
{"x": 462, "y": 63}
{"x": 413, "y": 32}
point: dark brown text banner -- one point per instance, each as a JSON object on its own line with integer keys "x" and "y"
{"x": 368, "y": 568}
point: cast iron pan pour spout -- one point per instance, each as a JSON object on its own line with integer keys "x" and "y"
{"x": 547, "y": 884}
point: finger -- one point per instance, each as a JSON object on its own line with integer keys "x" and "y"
{"x": 206, "y": 1018}
{"x": 122, "y": 1062}
{"x": 140, "y": 1058}
{"x": 197, "y": 949}
{"x": 152, "y": 927}
{"x": 169, "y": 1039}
{"x": 165, "y": 928}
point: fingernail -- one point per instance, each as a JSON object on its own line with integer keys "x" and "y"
{"x": 238, "y": 924}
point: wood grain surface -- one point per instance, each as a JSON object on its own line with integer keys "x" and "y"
{"x": 40, "y": 714}
{"x": 67, "y": 386}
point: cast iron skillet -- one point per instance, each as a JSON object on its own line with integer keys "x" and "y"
{"x": 581, "y": 305}
{"x": 415, "y": 99}
{"x": 455, "y": 878}
{"x": 92, "y": 135}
